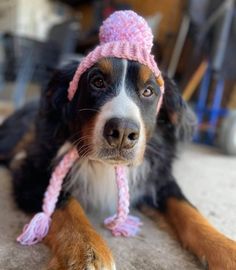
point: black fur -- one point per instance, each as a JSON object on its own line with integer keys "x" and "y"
{"x": 31, "y": 179}
{"x": 17, "y": 124}
{"x": 55, "y": 123}
{"x": 162, "y": 148}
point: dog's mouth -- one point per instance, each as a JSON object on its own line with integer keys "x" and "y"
{"x": 108, "y": 155}
{"x": 116, "y": 156}
{"x": 127, "y": 157}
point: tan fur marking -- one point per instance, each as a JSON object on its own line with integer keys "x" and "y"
{"x": 87, "y": 137}
{"x": 83, "y": 140}
{"x": 197, "y": 235}
{"x": 105, "y": 65}
{"x": 144, "y": 73}
{"x": 160, "y": 80}
{"x": 25, "y": 141}
{"x": 19, "y": 151}
{"x": 74, "y": 243}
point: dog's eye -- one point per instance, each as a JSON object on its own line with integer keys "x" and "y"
{"x": 98, "y": 82}
{"x": 147, "y": 92}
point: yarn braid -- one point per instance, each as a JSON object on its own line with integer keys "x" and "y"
{"x": 120, "y": 224}
{"x": 38, "y": 227}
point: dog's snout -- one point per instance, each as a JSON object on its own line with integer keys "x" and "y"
{"x": 121, "y": 133}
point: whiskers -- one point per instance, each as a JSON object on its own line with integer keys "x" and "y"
{"x": 82, "y": 139}
{"x": 84, "y": 146}
{"x": 78, "y": 135}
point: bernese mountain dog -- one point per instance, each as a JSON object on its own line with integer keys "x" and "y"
{"x": 111, "y": 120}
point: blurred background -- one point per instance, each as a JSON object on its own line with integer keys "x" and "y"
{"x": 195, "y": 44}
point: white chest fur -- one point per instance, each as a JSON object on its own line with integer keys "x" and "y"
{"x": 93, "y": 183}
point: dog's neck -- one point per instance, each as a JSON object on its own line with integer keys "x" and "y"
{"x": 93, "y": 183}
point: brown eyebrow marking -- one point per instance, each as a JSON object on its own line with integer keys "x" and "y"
{"x": 144, "y": 73}
{"x": 160, "y": 80}
{"x": 105, "y": 65}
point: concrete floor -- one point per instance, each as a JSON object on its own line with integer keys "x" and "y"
{"x": 208, "y": 180}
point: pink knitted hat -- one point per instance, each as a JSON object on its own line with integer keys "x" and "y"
{"x": 125, "y": 35}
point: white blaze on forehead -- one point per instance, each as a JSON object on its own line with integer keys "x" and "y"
{"x": 124, "y": 73}
{"x": 122, "y": 106}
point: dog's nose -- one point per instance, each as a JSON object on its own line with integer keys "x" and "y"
{"x": 121, "y": 133}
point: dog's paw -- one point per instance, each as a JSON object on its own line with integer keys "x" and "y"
{"x": 99, "y": 257}
{"x": 95, "y": 263}
{"x": 98, "y": 262}
{"x": 224, "y": 257}
{"x": 88, "y": 253}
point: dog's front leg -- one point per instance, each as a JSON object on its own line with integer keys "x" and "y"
{"x": 194, "y": 232}
{"x": 74, "y": 243}
{"x": 197, "y": 235}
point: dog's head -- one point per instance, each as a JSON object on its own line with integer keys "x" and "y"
{"x": 114, "y": 110}
{"x": 112, "y": 103}
{"x": 116, "y": 103}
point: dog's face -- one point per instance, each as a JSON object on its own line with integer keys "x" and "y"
{"x": 116, "y": 106}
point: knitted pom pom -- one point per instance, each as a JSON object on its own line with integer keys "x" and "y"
{"x": 126, "y": 26}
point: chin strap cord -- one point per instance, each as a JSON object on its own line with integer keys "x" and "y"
{"x": 121, "y": 224}
{"x": 39, "y": 225}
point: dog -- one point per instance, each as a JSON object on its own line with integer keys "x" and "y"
{"x": 111, "y": 120}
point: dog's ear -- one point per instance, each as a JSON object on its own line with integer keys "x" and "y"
{"x": 175, "y": 114}
{"x": 54, "y": 96}
{"x": 54, "y": 110}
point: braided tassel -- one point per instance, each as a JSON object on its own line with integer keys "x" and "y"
{"x": 38, "y": 227}
{"x": 122, "y": 224}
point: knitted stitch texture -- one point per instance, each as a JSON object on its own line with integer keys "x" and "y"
{"x": 123, "y": 35}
